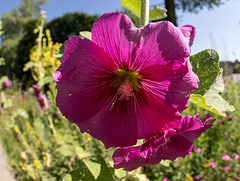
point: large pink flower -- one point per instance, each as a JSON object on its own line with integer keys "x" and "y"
{"x": 169, "y": 145}
{"x": 127, "y": 83}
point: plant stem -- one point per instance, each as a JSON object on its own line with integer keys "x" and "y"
{"x": 144, "y": 12}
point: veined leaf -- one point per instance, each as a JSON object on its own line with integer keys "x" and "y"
{"x": 90, "y": 170}
{"x": 206, "y": 65}
{"x": 211, "y": 100}
{"x": 133, "y": 5}
{"x": 86, "y": 34}
{"x": 59, "y": 53}
{"x": 157, "y": 13}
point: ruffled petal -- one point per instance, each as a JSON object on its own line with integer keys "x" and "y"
{"x": 87, "y": 97}
{"x": 117, "y": 35}
{"x": 189, "y": 33}
{"x": 160, "y": 43}
{"x": 169, "y": 145}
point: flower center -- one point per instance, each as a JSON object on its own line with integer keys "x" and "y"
{"x": 127, "y": 82}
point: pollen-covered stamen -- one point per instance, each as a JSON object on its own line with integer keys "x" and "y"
{"x": 127, "y": 82}
{"x": 125, "y": 91}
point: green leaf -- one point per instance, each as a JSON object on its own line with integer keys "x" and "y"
{"x": 28, "y": 65}
{"x": 90, "y": 170}
{"x": 86, "y": 34}
{"x": 59, "y": 53}
{"x": 206, "y": 65}
{"x": 81, "y": 153}
{"x": 165, "y": 163}
{"x": 133, "y": 5}
{"x": 211, "y": 100}
{"x": 157, "y": 13}
{"x": 66, "y": 150}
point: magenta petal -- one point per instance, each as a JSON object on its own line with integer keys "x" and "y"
{"x": 86, "y": 95}
{"x": 173, "y": 86}
{"x": 117, "y": 35}
{"x": 189, "y": 33}
{"x": 160, "y": 43}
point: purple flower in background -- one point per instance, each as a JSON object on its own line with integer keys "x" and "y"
{"x": 42, "y": 99}
{"x": 226, "y": 157}
{"x": 169, "y": 145}
{"x": 235, "y": 157}
{"x": 127, "y": 83}
{"x": 230, "y": 117}
{"x": 197, "y": 150}
{"x": 227, "y": 168}
{"x": 165, "y": 179}
{"x": 212, "y": 164}
{"x": 6, "y": 82}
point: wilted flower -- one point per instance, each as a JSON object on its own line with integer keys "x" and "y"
{"x": 223, "y": 121}
{"x": 197, "y": 150}
{"x": 127, "y": 83}
{"x": 226, "y": 157}
{"x": 212, "y": 164}
{"x": 169, "y": 145}
{"x": 227, "y": 168}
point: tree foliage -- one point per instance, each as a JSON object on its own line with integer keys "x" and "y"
{"x": 192, "y": 6}
{"x": 70, "y": 24}
{"x": 18, "y": 37}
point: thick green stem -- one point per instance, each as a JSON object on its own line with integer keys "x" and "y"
{"x": 144, "y": 12}
{"x": 40, "y": 35}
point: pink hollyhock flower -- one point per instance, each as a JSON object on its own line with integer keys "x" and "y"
{"x": 227, "y": 168}
{"x": 212, "y": 164}
{"x": 226, "y": 157}
{"x": 42, "y": 99}
{"x": 234, "y": 144}
{"x": 197, "y": 150}
{"x": 169, "y": 145}
{"x": 230, "y": 117}
{"x": 127, "y": 83}
{"x": 235, "y": 157}
{"x": 43, "y": 102}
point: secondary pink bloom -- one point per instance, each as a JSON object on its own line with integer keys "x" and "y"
{"x": 127, "y": 83}
{"x": 234, "y": 144}
{"x": 212, "y": 164}
{"x": 226, "y": 157}
{"x": 227, "y": 168}
{"x": 230, "y": 117}
{"x": 235, "y": 157}
{"x": 197, "y": 150}
{"x": 169, "y": 145}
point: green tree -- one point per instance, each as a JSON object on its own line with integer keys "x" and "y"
{"x": 16, "y": 25}
{"x": 192, "y": 6}
{"x": 70, "y": 24}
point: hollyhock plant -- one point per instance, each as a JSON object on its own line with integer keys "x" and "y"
{"x": 235, "y": 157}
{"x": 127, "y": 83}
{"x": 7, "y": 83}
{"x": 169, "y": 145}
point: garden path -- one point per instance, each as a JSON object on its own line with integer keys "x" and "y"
{"x": 5, "y": 174}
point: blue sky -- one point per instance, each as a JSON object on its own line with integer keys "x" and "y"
{"x": 218, "y": 29}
